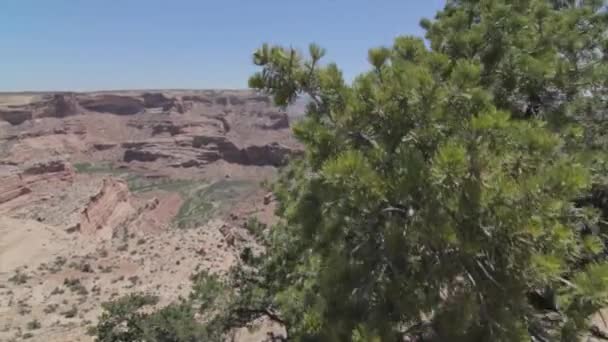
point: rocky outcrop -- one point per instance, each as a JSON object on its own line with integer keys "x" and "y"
{"x": 60, "y": 168}
{"x": 16, "y": 116}
{"x": 213, "y": 125}
{"x": 264, "y": 99}
{"x": 221, "y": 101}
{"x": 274, "y": 120}
{"x": 203, "y": 149}
{"x": 64, "y": 106}
{"x": 225, "y": 148}
{"x": 55, "y": 105}
{"x": 113, "y": 104}
{"x": 142, "y": 155}
{"x": 58, "y": 106}
{"x": 107, "y": 210}
{"x": 167, "y": 127}
{"x": 273, "y": 154}
{"x": 15, "y": 181}
{"x": 158, "y": 100}
{"x": 177, "y": 152}
{"x": 197, "y": 98}
{"x": 104, "y": 146}
{"x": 11, "y": 187}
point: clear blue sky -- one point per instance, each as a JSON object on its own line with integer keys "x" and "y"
{"x": 125, "y": 44}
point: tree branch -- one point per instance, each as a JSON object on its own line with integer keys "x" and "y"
{"x": 261, "y": 312}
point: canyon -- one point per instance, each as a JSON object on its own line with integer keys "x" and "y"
{"x": 104, "y": 194}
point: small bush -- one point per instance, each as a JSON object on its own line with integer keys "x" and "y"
{"x": 19, "y": 278}
{"x": 96, "y": 289}
{"x": 122, "y": 320}
{"x": 23, "y": 309}
{"x": 105, "y": 269}
{"x": 81, "y": 266}
{"x": 206, "y": 289}
{"x": 57, "y": 291}
{"x": 255, "y": 227}
{"x": 86, "y": 268}
{"x": 60, "y": 261}
{"x": 57, "y": 264}
{"x": 121, "y": 278}
{"x": 50, "y": 308}
{"x": 71, "y": 313}
{"x": 75, "y": 286}
{"x": 33, "y": 325}
{"x": 134, "y": 280}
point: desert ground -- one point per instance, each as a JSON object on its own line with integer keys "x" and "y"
{"x": 108, "y": 193}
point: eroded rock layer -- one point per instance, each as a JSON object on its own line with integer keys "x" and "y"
{"x": 173, "y": 128}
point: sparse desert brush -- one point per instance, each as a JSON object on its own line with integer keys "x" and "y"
{"x": 57, "y": 291}
{"x": 33, "y": 325}
{"x": 19, "y": 278}
{"x": 103, "y": 253}
{"x": 70, "y": 313}
{"x": 50, "y": 308}
{"x": 75, "y": 286}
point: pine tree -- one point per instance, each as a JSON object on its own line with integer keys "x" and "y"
{"x": 438, "y": 192}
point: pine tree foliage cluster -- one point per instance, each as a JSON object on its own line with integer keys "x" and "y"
{"x": 455, "y": 192}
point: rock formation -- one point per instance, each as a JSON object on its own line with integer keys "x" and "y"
{"x": 61, "y": 105}
{"x": 177, "y": 128}
{"x": 113, "y": 104}
{"x": 158, "y": 100}
{"x": 15, "y": 116}
{"x": 108, "y": 210}
{"x": 12, "y": 186}
{"x": 15, "y": 182}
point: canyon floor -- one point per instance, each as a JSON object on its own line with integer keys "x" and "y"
{"x": 109, "y": 193}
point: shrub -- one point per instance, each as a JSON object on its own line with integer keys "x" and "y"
{"x": 33, "y": 325}
{"x": 19, "y": 278}
{"x": 75, "y": 286}
{"x": 50, "y": 308}
{"x": 70, "y": 313}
